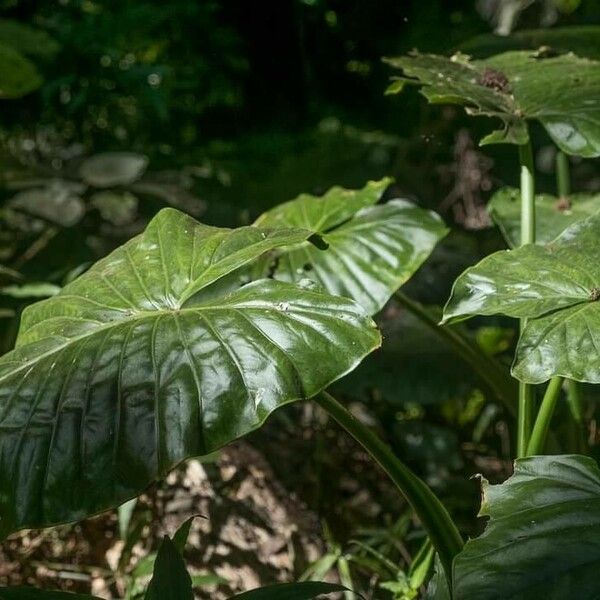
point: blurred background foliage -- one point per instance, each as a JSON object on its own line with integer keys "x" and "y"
{"x": 111, "y": 109}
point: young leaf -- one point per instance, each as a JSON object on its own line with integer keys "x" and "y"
{"x": 552, "y": 215}
{"x": 561, "y": 92}
{"x": 541, "y": 540}
{"x": 557, "y": 288}
{"x": 170, "y": 580}
{"x": 126, "y": 372}
{"x": 29, "y": 593}
{"x": 371, "y": 249}
{"x": 304, "y": 590}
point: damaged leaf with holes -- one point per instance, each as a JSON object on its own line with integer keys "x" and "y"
{"x": 562, "y": 92}
{"x": 556, "y": 287}
{"x": 372, "y": 248}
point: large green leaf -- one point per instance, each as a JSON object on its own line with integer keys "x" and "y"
{"x": 18, "y": 75}
{"x": 552, "y": 215}
{"x": 28, "y": 593}
{"x": 304, "y": 590}
{"x": 557, "y": 287}
{"x": 137, "y": 365}
{"x": 372, "y": 249}
{"x": 543, "y": 535}
{"x": 561, "y": 92}
{"x": 170, "y": 580}
{"x": 583, "y": 40}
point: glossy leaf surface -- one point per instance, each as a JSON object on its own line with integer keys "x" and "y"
{"x": 561, "y": 92}
{"x": 552, "y": 215}
{"x": 372, "y": 248}
{"x": 541, "y": 540}
{"x": 170, "y": 580}
{"x": 304, "y": 590}
{"x": 137, "y": 365}
{"x": 557, "y": 287}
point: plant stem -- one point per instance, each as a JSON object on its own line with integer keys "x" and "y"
{"x": 542, "y": 422}
{"x": 563, "y": 179}
{"x": 440, "y": 527}
{"x": 488, "y": 370}
{"x": 563, "y": 188}
{"x": 526, "y": 396}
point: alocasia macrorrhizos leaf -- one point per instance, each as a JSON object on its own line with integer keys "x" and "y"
{"x": 552, "y": 215}
{"x": 561, "y": 92}
{"x": 542, "y": 538}
{"x": 557, "y": 288}
{"x": 372, "y": 248}
{"x": 134, "y": 367}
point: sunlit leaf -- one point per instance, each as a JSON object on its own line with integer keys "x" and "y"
{"x": 552, "y": 215}
{"x": 561, "y": 92}
{"x": 134, "y": 366}
{"x": 557, "y": 288}
{"x": 541, "y": 540}
{"x": 372, "y": 248}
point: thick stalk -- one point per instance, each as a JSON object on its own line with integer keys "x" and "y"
{"x": 488, "y": 370}
{"x": 544, "y": 416}
{"x": 527, "y": 237}
{"x": 440, "y": 527}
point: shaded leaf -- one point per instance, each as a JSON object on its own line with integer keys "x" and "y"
{"x": 119, "y": 208}
{"x": 57, "y": 203}
{"x": 113, "y": 168}
{"x": 371, "y": 249}
{"x": 30, "y": 290}
{"x": 18, "y": 75}
{"x": 552, "y": 215}
{"x": 170, "y": 580}
{"x": 561, "y": 92}
{"x": 304, "y": 590}
{"x": 128, "y": 371}
{"x": 26, "y": 39}
{"x": 541, "y": 540}
{"x": 557, "y": 288}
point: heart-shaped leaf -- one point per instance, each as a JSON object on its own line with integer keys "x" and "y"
{"x": 136, "y": 365}
{"x": 541, "y": 540}
{"x": 372, "y": 249}
{"x": 583, "y": 40}
{"x": 552, "y": 215}
{"x": 304, "y": 590}
{"x": 557, "y": 288}
{"x": 561, "y": 92}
